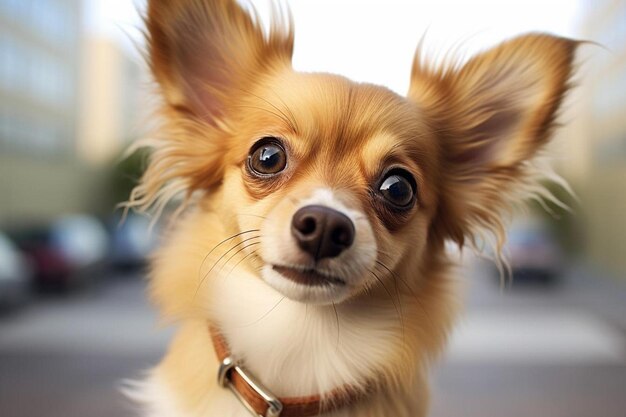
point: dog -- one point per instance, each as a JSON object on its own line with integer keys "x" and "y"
{"x": 308, "y": 271}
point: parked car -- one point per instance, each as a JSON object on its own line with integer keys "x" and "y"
{"x": 15, "y": 275}
{"x": 132, "y": 241}
{"x": 67, "y": 252}
{"x": 533, "y": 252}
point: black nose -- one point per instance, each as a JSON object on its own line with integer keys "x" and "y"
{"x": 321, "y": 231}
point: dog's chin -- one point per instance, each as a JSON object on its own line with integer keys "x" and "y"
{"x": 307, "y": 287}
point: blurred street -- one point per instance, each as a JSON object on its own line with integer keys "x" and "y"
{"x": 531, "y": 350}
{"x": 525, "y": 351}
{"x": 67, "y": 356}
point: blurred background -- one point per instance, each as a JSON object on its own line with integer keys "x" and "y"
{"x": 74, "y": 93}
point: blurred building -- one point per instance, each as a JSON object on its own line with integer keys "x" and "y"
{"x": 599, "y": 133}
{"x": 112, "y": 101}
{"x": 39, "y": 74}
{"x": 67, "y": 105}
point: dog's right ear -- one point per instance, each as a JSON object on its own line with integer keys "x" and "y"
{"x": 202, "y": 52}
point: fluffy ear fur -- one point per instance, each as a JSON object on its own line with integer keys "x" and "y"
{"x": 204, "y": 55}
{"x": 492, "y": 115}
{"x": 204, "y": 52}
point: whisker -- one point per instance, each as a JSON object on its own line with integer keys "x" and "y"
{"x": 235, "y": 254}
{"x": 229, "y": 251}
{"x": 218, "y": 261}
{"x": 415, "y": 296}
{"x": 251, "y": 215}
{"x": 396, "y": 277}
{"x": 387, "y": 254}
{"x": 395, "y": 284}
{"x": 240, "y": 261}
{"x": 398, "y": 311}
{"x": 221, "y": 243}
{"x": 264, "y": 315}
{"x": 337, "y": 320}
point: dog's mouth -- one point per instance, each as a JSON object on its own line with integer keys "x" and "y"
{"x": 307, "y": 283}
{"x": 308, "y": 276}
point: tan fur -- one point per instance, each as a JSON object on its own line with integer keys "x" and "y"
{"x": 467, "y": 134}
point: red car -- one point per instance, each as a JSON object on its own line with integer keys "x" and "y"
{"x": 66, "y": 253}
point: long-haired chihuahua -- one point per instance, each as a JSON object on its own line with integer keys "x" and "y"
{"x": 308, "y": 272}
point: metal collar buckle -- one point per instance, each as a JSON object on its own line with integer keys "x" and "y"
{"x": 275, "y": 407}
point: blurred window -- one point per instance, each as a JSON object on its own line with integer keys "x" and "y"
{"x": 52, "y": 21}
{"x": 13, "y": 9}
{"x": 10, "y": 62}
{"x": 26, "y": 132}
{"x": 49, "y": 20}
{"x": 36, "y": 81}
{"x": 47, "y": 79}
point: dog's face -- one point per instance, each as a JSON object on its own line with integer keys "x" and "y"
{"x": 330, "y": 185}
{"x": 337, "y": 176}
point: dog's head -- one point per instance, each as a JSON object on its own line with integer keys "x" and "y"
{"x": 330, "y": 185}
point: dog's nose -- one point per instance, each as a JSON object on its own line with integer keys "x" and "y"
{"x": 321, "y": 231}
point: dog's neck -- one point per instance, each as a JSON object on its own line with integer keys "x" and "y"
{"x": 299, "y": 349}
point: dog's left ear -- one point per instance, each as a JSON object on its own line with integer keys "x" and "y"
{"x": 492, "y": 116}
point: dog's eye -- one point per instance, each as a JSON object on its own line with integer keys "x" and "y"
{"x": 398, "y": 189}
{"x": 267, "y": 157}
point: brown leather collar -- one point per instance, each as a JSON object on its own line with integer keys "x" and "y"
{"x": 258, "y": 400}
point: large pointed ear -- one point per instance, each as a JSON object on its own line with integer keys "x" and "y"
{"x": 204, "y": 55}
{"x": 494, "y": 115}
{"x": 202, "y": 52}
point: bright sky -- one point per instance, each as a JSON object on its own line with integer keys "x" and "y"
{"x": 374, "y": 40}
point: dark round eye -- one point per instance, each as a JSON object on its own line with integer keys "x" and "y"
{"x": 267, "y": 157}
{"x": 398, "y": 189}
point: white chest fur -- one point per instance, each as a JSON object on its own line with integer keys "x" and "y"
{"x": 297, "y": 349}
{"x": 294, "y": 350}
